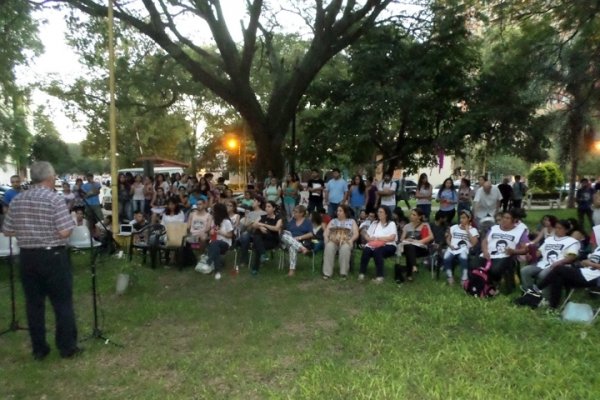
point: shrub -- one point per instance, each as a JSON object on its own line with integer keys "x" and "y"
{"x": 545, "y": 177}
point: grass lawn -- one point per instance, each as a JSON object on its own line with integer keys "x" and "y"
{"x": 187, "y": 336}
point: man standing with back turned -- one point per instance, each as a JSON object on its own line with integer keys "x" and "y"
{"x": 42, "y": 224}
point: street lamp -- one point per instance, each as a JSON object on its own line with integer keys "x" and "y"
{"x": 232, "y": 144}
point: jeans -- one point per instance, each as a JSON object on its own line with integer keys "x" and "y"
{"x": 262, "y": 243}
{"x": 530, "y": 274}
{"x": 426, "y": 208}
{"x": 244, "y": 240}
{"x": 463, "y": 206}
{"x": 332, "y": 209}
{"x": 463, "y": 260}
{"x": 48, "y": 273}
{"x": 215, "y": 250}
{"x": 139, "y": 205}
{"x": 378, "y": 254}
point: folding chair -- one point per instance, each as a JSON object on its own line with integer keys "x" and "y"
{"x": 147, "y": 240}
{"x": 175, "y": 239}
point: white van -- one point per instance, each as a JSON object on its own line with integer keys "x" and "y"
{"x": 157, "y": 170}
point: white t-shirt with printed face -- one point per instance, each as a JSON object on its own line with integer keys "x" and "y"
{"x": 459, "y": 239}
{"x": 555, "y": 249}
{"x": 588, "y": 273}
{"x": 378, "y": 229}
{"x": 499, "y": 240}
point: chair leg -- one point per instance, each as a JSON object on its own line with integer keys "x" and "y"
{"x": 564, "y": 304}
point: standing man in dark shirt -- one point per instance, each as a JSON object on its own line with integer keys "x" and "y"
{"x": 315, "y": 187}
{"x": 41, "y": 222}
{"x": 584, "y": 197}
{"x": 506, "y": 191}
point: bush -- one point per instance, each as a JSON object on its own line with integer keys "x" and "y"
{"x": 545, "y": 177}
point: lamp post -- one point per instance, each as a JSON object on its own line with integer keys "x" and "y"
{"x": 233, "y": 144}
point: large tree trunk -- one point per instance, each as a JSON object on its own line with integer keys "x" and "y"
{"x": 269, "y": 147}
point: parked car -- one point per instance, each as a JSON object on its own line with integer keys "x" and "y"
{"x": 410, "y": 186}
{"x": 3, "y": 189}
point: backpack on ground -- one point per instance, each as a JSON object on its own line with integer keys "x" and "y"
{"x": 478, "y": 284}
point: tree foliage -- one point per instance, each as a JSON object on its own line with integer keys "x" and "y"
{"x": 226, "y": 68}
{"x": 18, "y": 42}
{"x": 399, "y": 97}
{"x": 545, "y": 177}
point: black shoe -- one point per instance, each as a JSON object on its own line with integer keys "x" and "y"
{"x": 75, "y": 352}
{"x": 41, "y": 355}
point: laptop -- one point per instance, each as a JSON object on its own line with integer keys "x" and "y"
{"x": 125, "y": 230}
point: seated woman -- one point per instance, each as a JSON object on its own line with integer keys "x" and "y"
{"x": 247, "y": 201}
{"x": 173, "y": 212}
{"x": 381, "y": 243}
{"x": 234, "y": 217}
{"x": 586, "y": 273}
{"x": 461, "y": 238}
{"x": 501, "y": 243}
{"x": 558, "y": 249}
{"x": 266, "y": 233}
{"x": 199, "y": 224}
{"x": 159, "y": 201}
{"x": 548, "y": 223}
{"x": 298, "y": 233}
{"x": 221, "y": 235}
{"x": 318, "y": 230}
{"x": 415, "y": 239}
{"x": 340, "y": 235}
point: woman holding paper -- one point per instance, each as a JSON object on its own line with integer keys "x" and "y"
{"x": 415, "y": 240}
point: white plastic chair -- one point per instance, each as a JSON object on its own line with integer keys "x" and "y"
{"x": 80, "y": 238}
{"x": 5, "y": 246}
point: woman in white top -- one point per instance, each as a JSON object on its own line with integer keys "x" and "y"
{"x": 586, "y": 275}
{"x": 423, "y": 195}
{"x": 460, "y": 239}
{"x": 558, "y": 249}
{"x": 221, "y": 236}
{"x": 501, "y": 244}
{"x": 137, "y": 193}
{"x": 172, "y": 213}
{"x": 381, "y": 243}
{"x": 233, "y": 216}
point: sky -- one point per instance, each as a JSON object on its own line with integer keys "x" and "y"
{"x": 58, "y": 61}
{"x": 61, "y": 63}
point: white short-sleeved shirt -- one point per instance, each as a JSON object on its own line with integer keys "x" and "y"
{"x": 226, "y": 227}
{"x": 486, "y": 203}
{"x": 377, "y": 229}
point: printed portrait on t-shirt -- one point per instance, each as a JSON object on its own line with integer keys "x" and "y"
{"x": 501, "y": 246}
{"x": 552, "y": 257}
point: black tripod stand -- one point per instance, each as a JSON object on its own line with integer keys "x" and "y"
{"x": 93, "y": 247}
{"x": 14, "y": 324}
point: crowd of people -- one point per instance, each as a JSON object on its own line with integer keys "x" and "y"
{"x": 471, "y": 228}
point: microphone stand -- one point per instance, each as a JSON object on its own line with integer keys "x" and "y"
{"x": 14, "y": 323}
{"x": 96, "y": 331}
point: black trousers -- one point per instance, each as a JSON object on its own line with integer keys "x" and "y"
{"x": 567, "y": 277}
{"x": 502, "y": 268}
{"x": 47, "y": 273}
{"x": 315, "y": 204}
{"x": 411, "y": 253}
{"x": 262, "y": 243}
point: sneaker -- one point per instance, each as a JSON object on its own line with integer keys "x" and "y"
{"x": 325, "y": 277}
{"x": 378, "y": 280}
{"x": 450, "y": 281}
{"x": 361, "y": 277}
{"x": 218, "y": 276}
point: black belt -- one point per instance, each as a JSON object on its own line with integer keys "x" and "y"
{"x": 48, "y": 248}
